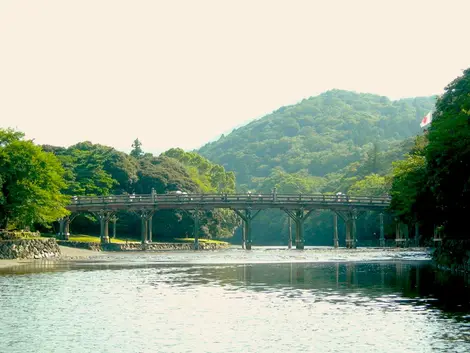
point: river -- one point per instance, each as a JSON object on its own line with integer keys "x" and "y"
{"x": 264, "y": 300}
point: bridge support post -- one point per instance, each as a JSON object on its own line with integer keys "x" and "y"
{"x": 398, "y": 236}
{"x": 335, "y": 231}
{"x": 196, "y": 229}
{"x": 348, "y": 233}
{"x": 243, "y": 235}
{"x": 67, "y": 228}
{"x": 299, "y": 217}
{"x": 143, "y": 230}
{"x": 247, "y": 216}
{"x": 104, "y": 217}
{"x": 145, "y": 215}
{"x": 61, "y": 228}
{"x": 289, "y": 241}
{"x": 382, "y": 232}
{"x": 353, "y": 229}
{"x": 150, "y": 224}
{"x": 349, "y": 218}
{"x": 64, "y": 226}
{"x": 114, "y": 219}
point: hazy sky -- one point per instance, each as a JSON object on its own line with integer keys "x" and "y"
{"x": 180, "y": 73}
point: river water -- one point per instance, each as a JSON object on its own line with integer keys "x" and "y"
{"x": 264, "y": 300}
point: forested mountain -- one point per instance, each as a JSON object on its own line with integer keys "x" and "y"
{"x": 337, "y": 141}
{"x": 319, "y": 136}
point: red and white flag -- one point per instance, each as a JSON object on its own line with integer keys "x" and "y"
{"x": 426, "y": 120}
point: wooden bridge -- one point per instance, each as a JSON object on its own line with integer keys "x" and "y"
{"x": 247, "y": 206}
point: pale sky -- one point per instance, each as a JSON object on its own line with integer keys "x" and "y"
{"x": 180, "y": 73}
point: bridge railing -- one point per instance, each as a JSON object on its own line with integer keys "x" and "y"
{"x": 147, "y": 199}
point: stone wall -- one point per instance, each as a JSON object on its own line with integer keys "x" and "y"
{"x": 162, "y": 246}
{"x": 17, "y": 234}
{"x": 141, "y": 247}
{"x": 29, "y": 249}
{"x": 80, "y": 245}
{"x": 453, "y": 255}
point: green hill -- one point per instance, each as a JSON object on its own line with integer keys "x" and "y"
{"x": 318, "y": 136}
{"x": 337, "y": 141}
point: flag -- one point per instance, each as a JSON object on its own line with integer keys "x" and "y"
{"x": 426, "y": 120}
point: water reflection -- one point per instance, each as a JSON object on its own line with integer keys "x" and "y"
{"x": 394, "y": 306}
{"x": 411, "y": 280}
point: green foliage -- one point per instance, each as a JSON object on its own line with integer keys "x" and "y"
{"x": 448, "y": 157}
{"x": 432, "y": 185}
{"x": 209, "y": 177}
{"x": 163, "y": 174}
{"x": 137, "y": 149}
{"x": 409, "y": 182}
{"x": 93, "y": 169}
{"x": 322, "y": 134}
{"x": 294, "y": 183}
{"x": 338, "y": 141}
{"x": 371, "y": 185}
{"x": 30, "y": 181}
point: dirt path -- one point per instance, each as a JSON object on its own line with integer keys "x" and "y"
{"x": 68, "y": 253}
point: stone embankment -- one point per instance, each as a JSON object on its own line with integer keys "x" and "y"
{"x": 29, "y": 249}
{"x": 453, "y": 255}
{"x": 142, "y": 247}
{"x": 80, "y": 245}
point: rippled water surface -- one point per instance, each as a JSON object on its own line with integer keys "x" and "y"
{"x": 266, "y": 300}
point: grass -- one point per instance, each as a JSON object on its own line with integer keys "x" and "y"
{"x": 96, "y": 239}
{"x": 84, "y": 238}
{"x": 208, "y": 241}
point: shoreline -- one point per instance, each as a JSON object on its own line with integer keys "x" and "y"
{"x": 74, "y": 254}
{"x": 66, "y": 254}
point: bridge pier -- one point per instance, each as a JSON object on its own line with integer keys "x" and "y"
{"x": 335, "y": 231}
{"x": 243, "y": 235}
{"x": 150, "y": 224}
{"x": 64, "y": 226}
{"x": 195, "y": 216}
{"x": 289, "y": 241}
{"x": 382, "y": 232}
{"x": 349, "y": 218}
{"x": 247, "y": 216}
{"x": 114, "y": 220}
{"x": 399, "y": 240}
{"x": 61, "y": 233}
{"x": 145, "y": 216}
{"x": 299, "y": 217}
{"x": 104, "y": 217}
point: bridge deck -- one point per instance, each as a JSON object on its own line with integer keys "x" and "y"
{"x": 233, "y": 201}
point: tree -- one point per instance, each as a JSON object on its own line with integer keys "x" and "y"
{"x": 30, "y": 181}
{"x": 137, "y": 151}
{"x": 448, "y": 156}
{"x": 371, "y": 185}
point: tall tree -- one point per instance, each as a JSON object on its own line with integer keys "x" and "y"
{"x": 137, "y": 149}
{"x": 448, "y": 156}
{"x": 30, "y": 181}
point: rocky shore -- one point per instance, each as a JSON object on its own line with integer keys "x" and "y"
{"x": 29, "y": 249}
{"x": 142, "y": 247}
{"x": 453, "y": 255}
{"x": 26, "y": 251}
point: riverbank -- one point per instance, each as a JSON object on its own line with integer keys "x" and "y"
{"x": 66, "y": 254}
{"x": 453, "y": 255}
